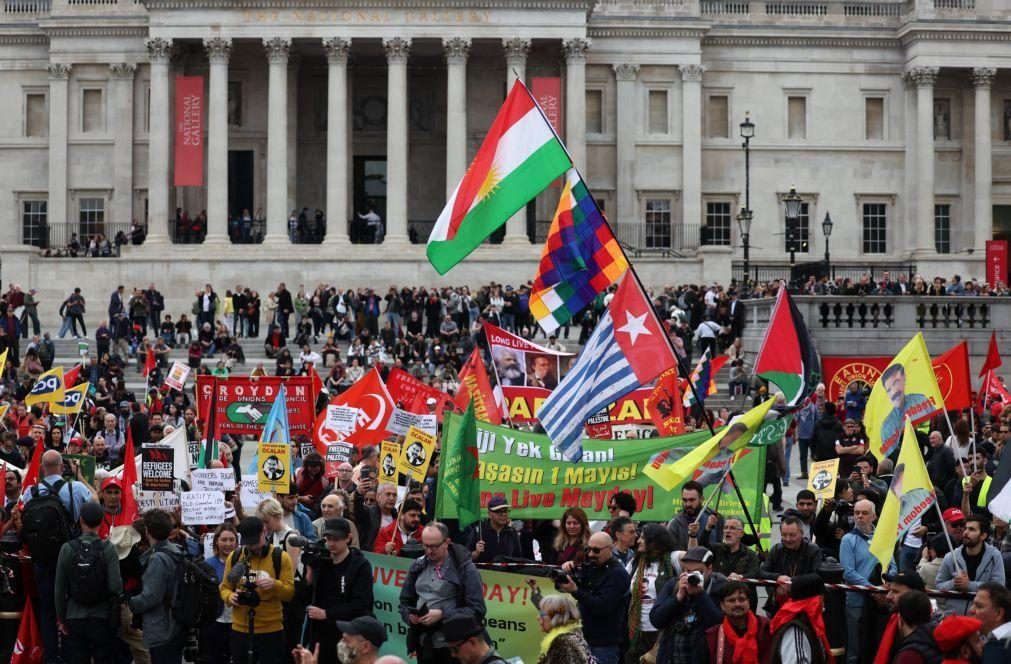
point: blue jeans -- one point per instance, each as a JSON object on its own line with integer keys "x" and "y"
{"x": 64, "y": 327}
{"x": 854, "y": 616}
{"x": 605, "y": 654}
{"x": 908, "y": 555}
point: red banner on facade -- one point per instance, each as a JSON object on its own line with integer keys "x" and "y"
{"x": 547, "y": 90}
{"x": 838, "y": 372}
{"x": 189, "y": 131}
{"x": 243, "y": 403}
{"x": 996, "y": 262}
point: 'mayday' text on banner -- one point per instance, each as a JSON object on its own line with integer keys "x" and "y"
{"x": 243, "y": 403}
{"x": 511, "y": 619}
{"x": 539, "y": 483}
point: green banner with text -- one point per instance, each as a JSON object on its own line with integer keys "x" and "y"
{"x": 539, "y": 484}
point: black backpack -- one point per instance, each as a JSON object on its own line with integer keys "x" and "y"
{"x": 46, "y": 524}
{"x": 88, "y": 574}
{"x": 196, "y": 600}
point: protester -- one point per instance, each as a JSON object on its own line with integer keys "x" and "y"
{"x": 685, "y": 609}
{"x": 798, "y": 628}
{"x": 625, "y": 534}
{"x": 915, "y": 643}
{"x": 563, "y": 643}
{"x": 743, "y": 636}
{"x": 489, "y": 539}
{"x": 466, "y": 640}
{"x": 734, "y": 560}
{"x": 163, "y": 635}
{"x": 958, "y": 639}
{"x": 361, "y": 639}
{"x": 992, "y": 607}
{"x": 973, "y": 563}
{"x": 686, "y": 523}
{"x": 858, "y": 566}
{"x": 651, "y": 569}
{"x": 793, "y": 556}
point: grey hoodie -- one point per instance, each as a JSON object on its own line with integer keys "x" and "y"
{"x": 161, "y": 563}
{"x": 991, "y": 568}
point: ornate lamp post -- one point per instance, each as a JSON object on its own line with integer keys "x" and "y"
{"x": 792, "y": 202}
{"x": 744, "y": 224}
{"x": 745, "y": 217}
{"x": 826, "y": 228}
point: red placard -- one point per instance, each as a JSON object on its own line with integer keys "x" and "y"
{"x": 996, "y": 262}
{"x": 243, "y": 403}
{"x": 189, "y": 131}
{"x": 838, "y": 372}
{"x": 547, "y": 91}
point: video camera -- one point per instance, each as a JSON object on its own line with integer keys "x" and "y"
{"x": 244, "y": 579}
{"x": 314, "y": 552}
{"x": 579, "y": 574}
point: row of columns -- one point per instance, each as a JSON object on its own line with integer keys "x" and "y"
{"x": 337, "y": 49}
{"x": 923, "y": 79}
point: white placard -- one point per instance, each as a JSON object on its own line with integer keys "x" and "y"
{"x": 149, "y": 500}
{"x": 401, "y": 421}
{"x": 208, "y": 545}
{"x": 212, "y": 479}
{"x": 177, "y": 375}
{"x": 341, "y": 418}
{"x": 249, "y": 492}
{"x": 203, "y": 507}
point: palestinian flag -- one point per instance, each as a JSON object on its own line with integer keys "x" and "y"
{"x": 787, "y": 358}
{"x": 520, "y": 157}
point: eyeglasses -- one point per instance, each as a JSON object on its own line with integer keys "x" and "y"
{"x": 433, "y": 547}
{"x": 958, "y": 524}
{"x": 596, "y": 549}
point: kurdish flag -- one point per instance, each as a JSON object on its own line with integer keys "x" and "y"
{"x": 787, "y": 358}
{"x": 580, "y": 259}
{"x": 520, "y": 157}
{"x": 909, "y": 496}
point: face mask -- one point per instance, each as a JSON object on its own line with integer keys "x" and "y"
{"x": 345, "y": 653}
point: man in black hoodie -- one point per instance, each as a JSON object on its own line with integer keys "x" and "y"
{"x": 916, "y": 630}
{"x": 827, "y": 431}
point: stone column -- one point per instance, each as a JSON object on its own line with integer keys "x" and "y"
{"x": 923, "y": 78}
{"x": 59, "y": 75}
{"x": 397, "y": 154}
{"x": 218, "y": 52}
{"x": 122, "y": 96}
{"x": 277, "y": 49}
{"x": 337, "y": 51}
{"x": 906, "y": 233}
{"x": 575, "y": 98}
{"x": 294, "y": 62}
{"x": 457, "y": 50}
{"x": 516, "y": 51}
{"x": 691, "y": 146}
{"x": 982, "y": 79}
{"x": 627, "y": 121}
{"x": 159, "y": 51}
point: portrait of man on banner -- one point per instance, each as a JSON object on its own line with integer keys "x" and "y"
{"x": 913, "y": 404}
{"x": 542, "y": 371}
{"x": 510, "y": 364}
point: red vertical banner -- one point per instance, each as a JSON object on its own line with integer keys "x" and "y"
{"x": 189, "y": 137}
{"x": 996, "y": 262}
{"x": 547, "y": 90}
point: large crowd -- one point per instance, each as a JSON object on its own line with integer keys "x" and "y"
{"x": 287, "y": 577}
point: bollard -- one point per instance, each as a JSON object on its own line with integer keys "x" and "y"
{"x": 831, "y": 571}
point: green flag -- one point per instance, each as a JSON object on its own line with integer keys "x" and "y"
{"x": 458, "y": 474}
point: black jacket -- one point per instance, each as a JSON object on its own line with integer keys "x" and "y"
{"x": 343, "y": 596}
{"x": 603, "y": 599}
{"x": 922, "y": 642}
{"x": 369, "y": 520}
{"x": 827, "y": 430}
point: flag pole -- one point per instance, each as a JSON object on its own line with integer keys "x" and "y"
{"x": 951, "y": 431}
{"x": 947, "y": 537}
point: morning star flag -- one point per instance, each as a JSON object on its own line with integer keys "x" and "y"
{"x": 909, "y": 496}
{"x": 458, "y": 473}
{"x": 580, "y": 259}
{"x": 628, "y": 349}
{"x": 520, "y": 157}
{"x": 787, "y": 357}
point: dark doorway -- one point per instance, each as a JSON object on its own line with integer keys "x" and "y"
{"x": 1001, "y": 223}
{"x": 240, "y": 182}
{"x": 369, "y": 190}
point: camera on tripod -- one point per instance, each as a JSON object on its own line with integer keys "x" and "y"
{"x": 315, "y": 553}
{"x": 246, "y": 594}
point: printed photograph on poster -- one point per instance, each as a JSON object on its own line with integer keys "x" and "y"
{"x": 542, "y": 371}
{"x": 177, "y": 375}
{"x": 510, "y": 366}
{"x": 274, "y": 473}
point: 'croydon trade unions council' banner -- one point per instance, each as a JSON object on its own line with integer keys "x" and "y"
{"x": 511, "y": 619}
{"x": 540, "y": 484}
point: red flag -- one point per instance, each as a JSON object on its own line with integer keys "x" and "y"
{"x": 952, "y": 372}
{"x": 638, "y": 331}
{"x": 32, "y": 474}
{"x": 992, "y": 356}
{"x": 375, "y": 407}
{"x": 71, "y": 377}
{"x": 665, "y": 404}
{"x": 149, "y": 361}
{"x": 28, "y": 647}
{"x": 475, "y": 385}
{"x": 129, "y": 504}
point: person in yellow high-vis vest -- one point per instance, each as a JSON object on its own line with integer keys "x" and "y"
{"x": 976, "y": 487}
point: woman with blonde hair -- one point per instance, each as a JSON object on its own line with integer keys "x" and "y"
{"x": 563, "y": 642}
{"x": 271, "y": 513}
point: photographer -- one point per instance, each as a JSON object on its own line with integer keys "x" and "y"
{"x": 834, "y": 520}
{"x": 601, "y": 589}
{"x": 339, "y": 587}
{"x": 258, "y": 578}
{"x": 688, "y": 607}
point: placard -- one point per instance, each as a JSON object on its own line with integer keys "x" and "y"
{"x": 87, "y": 464}
{"x": 274, "y": 472}
{"x": 402, "y": 420}
{"x": 341, "y": 418}
{"x": 157, "y": 468}
{"x": 389, "y": 454}
{"x": 202, "y": 508}
{"x": 822, "y": 476}
{"x": 307, "y": 447}
{"x": 416, "y": 454}
{"x": 249, "y": 492}
{"x": 212, "y": 479}
{"x": 336, "y": 454}
{"x": 163, "y": 500}
{"x": 177, "y": 375}
{"x": 193, "y": 451}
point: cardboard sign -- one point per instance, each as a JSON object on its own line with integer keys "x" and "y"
{"x": 87, "y": 464}
{"x": 274, "y": 472}
{"x": 202, "y": 508}
{"x": 822, "y": 478}
{"x": 336, "y": 454}
{"x": 193, "y": 451}
{"x": 212, "y": 479}
{"x": 389, "y": 454}
{"x": 163, "y": 500}
{"x": 402, "y": 420}
{"x": 416, "y": 454}
{"x": 157, "y": 468}
{"x": 250, "y": 494}
{"x": 341, "y": 418}
{"x": 307, "y": 447}
{"x": 177, "y": 375}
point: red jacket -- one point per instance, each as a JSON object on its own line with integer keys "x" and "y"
{"x": 391, "y": 534}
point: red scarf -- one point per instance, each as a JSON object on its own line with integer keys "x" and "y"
{"x": 812, "y": 607}
{"x": 884, "y": 655}
{"x": 746, "y": 646}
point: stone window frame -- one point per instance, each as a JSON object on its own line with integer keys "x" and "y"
{"x": 27, "y": 90}
{"x": 144, "y": 121}
{"x": 953, "y": 201}
{"x": 32, "y": 196}
{"x": 732, "y": 199}
{"x": 718, "y": 91}
{"x": 672, "y": 198}
{"x": 604, "y": 89}
{"x": 84, "y": 85}
{"x": 888, "y": 200}
{"x": 876, "y": 93}
{"x": 656, "y": 80}
{"x": 805, "y": 93}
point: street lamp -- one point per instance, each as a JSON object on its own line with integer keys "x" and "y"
{"x": 745, "y": 217}
{"x": 744, "y": 224}
{"x": 826, "y": 228}
{"x": 792, "y": 202}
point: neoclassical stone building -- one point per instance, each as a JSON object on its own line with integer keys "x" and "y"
{"x": 894, "y": 117}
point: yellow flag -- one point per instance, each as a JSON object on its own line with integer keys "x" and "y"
{"x": 669, "y": 473}
{"x": 3, "y": 361}
{"x": 49, "y": 387}
{"x": 4, "y": 407}
{"x": 906, "y": 388}
{"x": 73, "y": 399}
{"x": 910, "y": 495}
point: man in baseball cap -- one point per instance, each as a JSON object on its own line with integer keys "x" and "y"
{"x": 466, "y": 642}
{"x": 361, "y": 640}
{"x": 898, "y": 585}
{"x": 958, "y": 639}
{"x": 954, "y": 523}
{"x": 494, "y": 537}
